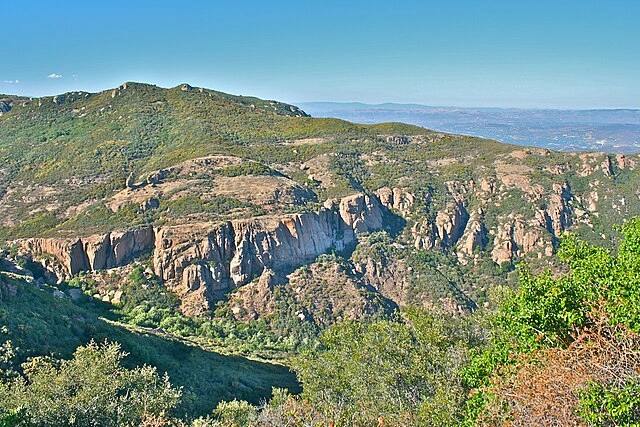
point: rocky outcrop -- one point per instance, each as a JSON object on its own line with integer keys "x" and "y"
{"x": 361, "y": 213}
{"x": 517, "y": 238}
{"x": 514, "y": 236}
{"x": 156, "y": 177}
{"x": 390, "y": 279}
{"x": 607, "y": 166}
{"x": 4, "y": 107}
{"x": 593, "y": 162}
{"x": 233, "y": 253}
{"x": 398, "y": 199}
{"x": 398, "y": 139}
{"x": 202, "y": 261}
{"x": 475, "y": 235}
{"x": 623, "y": 162}
{"x": 450, "y": 223}
{"x": 445, "y": 231}
{"x": 558, "y": 215}
{"x": 325, "y": 291}
{"x": 95, "y": 252}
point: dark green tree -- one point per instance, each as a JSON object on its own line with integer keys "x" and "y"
{"x": 91, "y": 389}
{"x": 402, "y": 373}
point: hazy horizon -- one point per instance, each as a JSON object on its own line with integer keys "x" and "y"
{"x": 353, "y": 102}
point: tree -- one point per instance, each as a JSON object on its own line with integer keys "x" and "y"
{"x": 402, "y": 373}
{"x": 91, "y": 389}
{"x": 566, "y": 349}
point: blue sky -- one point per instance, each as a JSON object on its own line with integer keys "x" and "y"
{"x": 518, "y": 53}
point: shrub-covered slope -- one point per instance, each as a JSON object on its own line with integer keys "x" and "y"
{"x": 39, "y": 323}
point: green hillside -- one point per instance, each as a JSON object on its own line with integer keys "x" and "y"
{"x": 140, "y": 127}
{"x": 38, "y": 323}
{"x": 81, "y": 147}
{"x": 209, "y": 233}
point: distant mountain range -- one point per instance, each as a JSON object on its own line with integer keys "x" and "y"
{"x": 616, "y": 131}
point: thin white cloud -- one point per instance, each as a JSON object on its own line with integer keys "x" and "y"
{"x": 11, "y": 82}
{"x": 54, "y": 76}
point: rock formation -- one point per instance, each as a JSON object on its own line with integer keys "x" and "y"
{"x": 4, "y": 107}
{"x": 94, "y": 252}
{"x": 204, "y": 260}
{"x": 210, "y": 260}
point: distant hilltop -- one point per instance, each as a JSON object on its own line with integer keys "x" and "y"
{"x": 8, "y": 101}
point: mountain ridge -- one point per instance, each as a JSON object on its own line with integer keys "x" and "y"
{"x": 223, "y": 195}
{"x": 429, "y": 106}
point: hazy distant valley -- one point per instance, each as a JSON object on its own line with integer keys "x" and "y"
{"x": 614, "y": 131}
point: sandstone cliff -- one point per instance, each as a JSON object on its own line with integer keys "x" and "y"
{"x": 95, "y": 252}
{"x": 502, "y": 216}
{"x": 207, "y": 260}
{"x": 202, "y": 260}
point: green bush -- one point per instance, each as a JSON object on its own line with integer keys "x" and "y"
{"x": 236, "y": 413}
{"x": 403, "y": 372}
{"x": 91, "y": 389}
{"x": 587, "y": 319}
{"x": 602, "y": 405}
{"x": 247, "y": 168}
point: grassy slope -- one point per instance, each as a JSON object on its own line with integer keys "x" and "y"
{"x": 45, "y": 324}
{"x": 83, "y": 146}
{"x": 145, "y": 127}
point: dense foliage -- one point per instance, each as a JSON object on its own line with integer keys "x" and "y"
{"x": 91, "y": 389}
{"x": 403, "y": 372}
{"x": 566, "y": 348}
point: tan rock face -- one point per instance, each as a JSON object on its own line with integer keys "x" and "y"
{"x": 392, "y": 281}
{"x": 475, "y": 235}
{"x": 516, "y": 239}
{"x": 69, "y": 252}
{"x": 445, "y": 231}
{"x": 397, "y": 199}
{"x": 361, "y": 213}
{"x": 94, "y": 252}
{"x": 327, "y": 291}
{"x": 218, "y": 257}
{"x": 451, "y": 223}
{"x": 559, "y": 211}
{"x": 625, "y": 162}
{"x": 515, "y": 236}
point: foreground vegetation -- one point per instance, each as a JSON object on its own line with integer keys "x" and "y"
{"x": 40, "y": 324}
{"x": 559, "y": 350}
